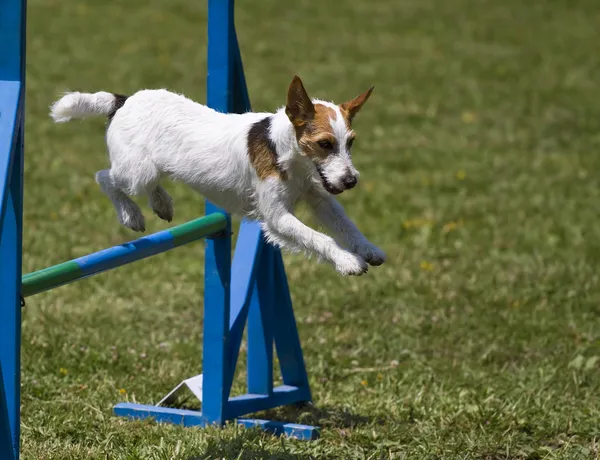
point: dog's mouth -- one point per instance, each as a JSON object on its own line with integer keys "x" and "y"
{"x": 326, "y": 184}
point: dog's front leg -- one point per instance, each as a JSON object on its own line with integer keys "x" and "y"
{"x": 288, "y": 232}
{"x": 332, "y": 215}
{"x": 285, "y": 230}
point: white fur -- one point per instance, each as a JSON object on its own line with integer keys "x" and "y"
{"x": 77, "y": 105}
{"x": 340, "y": 165}
{"x": 158, "y": 134}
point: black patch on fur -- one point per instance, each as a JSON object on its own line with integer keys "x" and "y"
{"x": 119, "y": 101}
{"x": 259, "y": 136}
{"x": 259, "y": 133}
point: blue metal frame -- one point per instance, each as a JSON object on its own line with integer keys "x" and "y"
{"x": 252, "y": 289}
{"x": 259, "y": 293}
{"x": 12, "y": 100}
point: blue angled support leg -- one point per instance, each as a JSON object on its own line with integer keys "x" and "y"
{"x": 260, "y": 328}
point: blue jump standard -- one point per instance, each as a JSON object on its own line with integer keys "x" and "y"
{"x": 246, "y": 294}
{"x": 251, "y": 291}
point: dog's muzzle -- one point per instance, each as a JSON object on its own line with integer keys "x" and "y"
{"x": 348, "y": 182}
{"x": 326, "y": 184}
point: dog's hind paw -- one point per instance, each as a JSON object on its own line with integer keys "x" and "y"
{"x": 136, "y": 224}
{"x": 130, "y": 215}
{"x": 350, "y": 264}
{"x": 165, "y": 214}
{"x": 161, "y": 203}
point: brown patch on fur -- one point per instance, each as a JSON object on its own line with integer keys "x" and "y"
{"x": 321, "y": 123}
{"x": 312, "y": 121}
{"x": 318, "y": 129}
{"x": 262, "y": 151}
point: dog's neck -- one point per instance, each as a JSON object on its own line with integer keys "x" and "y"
{"x": 283, "y": 136}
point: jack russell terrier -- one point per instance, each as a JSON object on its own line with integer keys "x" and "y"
{"x": 256, "y": 165}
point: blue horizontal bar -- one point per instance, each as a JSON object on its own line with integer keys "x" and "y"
{"x": 290, "y": 430}
{"x": 282, "y": 395}
{"x": 98, "y": 262}
{"x": 190, "y": 418}
{"x": 160, "y": 414}
{"x": 126, "y": 253}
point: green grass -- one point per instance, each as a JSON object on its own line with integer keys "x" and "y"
{"x": 479, "y": 338}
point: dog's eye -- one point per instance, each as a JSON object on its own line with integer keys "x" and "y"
{"x": 326, "y": 145}
{"x": 349, "y": 143}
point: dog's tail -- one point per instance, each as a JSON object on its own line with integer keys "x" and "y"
{"x": 83, "y": 105}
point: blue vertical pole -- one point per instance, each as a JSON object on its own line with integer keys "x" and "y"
{"x": 260, "y": 290}
{"x": 10, "y": 285}
{"x": 10, "y": 326}
{"x": 220, "y": 55}
{"x": 12, "y": 88}
{"x": 215, "y": 358}
{"x": 217, "y": 278}
{"x": 250, "y": 241}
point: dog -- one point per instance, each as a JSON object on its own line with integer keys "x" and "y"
{"x": 257, "y": 165}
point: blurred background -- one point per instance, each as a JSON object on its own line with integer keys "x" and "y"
{"x": 479, "y": 338}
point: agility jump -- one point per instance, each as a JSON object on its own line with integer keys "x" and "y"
{"x": 252, "y": 288}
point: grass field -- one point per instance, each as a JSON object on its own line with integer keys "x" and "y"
{"x": 479, "y": 338}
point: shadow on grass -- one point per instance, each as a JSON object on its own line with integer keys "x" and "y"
{"x": 243, "y": 444}
{"x": 247, "y": 444}
{"x": 324, "y": 417}
{"x": 309, "y": 414}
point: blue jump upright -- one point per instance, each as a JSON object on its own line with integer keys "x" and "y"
{"x": 12, "y": 98}
{"x": 252, "y": 289}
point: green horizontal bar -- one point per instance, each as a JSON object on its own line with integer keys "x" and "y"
{"x": 92, "y": 264}
{"x": 192, "y": 230}
{"x": 51, "y": 277}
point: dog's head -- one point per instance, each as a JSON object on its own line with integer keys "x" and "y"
{"x": 324, "y": 134}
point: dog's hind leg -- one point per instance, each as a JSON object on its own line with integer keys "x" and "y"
{"x": 161, "y": 203}
{"x": 128, "y": 212}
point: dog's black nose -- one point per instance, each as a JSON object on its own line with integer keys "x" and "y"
{"x": 350, "y": 181}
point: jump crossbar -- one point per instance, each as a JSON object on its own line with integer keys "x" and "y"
{"x": 92, "y": 264}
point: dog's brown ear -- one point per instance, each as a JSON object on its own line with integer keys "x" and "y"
{"x": 299, "y": 107}
{"x": 352, "y": 107}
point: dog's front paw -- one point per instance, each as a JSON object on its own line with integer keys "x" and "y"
{"x": 350, "y": 264}
{"x": 371, "y": 253}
